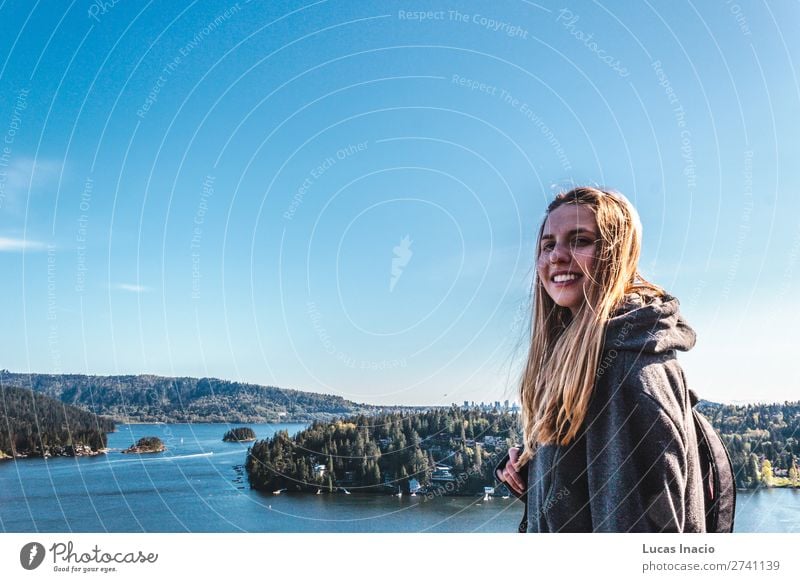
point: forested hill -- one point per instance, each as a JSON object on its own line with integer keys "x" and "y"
{"x": 148, "y": 398}
{"x": 763, "y": 441}
{"x": 33, "y": 424}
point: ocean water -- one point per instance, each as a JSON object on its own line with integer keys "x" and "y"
{"x": 199, "y": 485}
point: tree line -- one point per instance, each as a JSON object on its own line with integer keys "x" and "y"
{"x": 450, "y": 445}
{"x": 33, "y": 424}
{"x": 762, "y": 440}
{"x": 148, "y": 398}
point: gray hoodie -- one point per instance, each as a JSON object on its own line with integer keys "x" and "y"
{"x": 634, "y": 466}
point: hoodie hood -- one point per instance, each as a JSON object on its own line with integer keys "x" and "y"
{"x": 648, "y": 324}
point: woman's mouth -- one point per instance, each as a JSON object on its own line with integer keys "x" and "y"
{"x": 564, "y": 279}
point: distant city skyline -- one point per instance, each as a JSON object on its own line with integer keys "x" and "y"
{"x": 344, "y": 197}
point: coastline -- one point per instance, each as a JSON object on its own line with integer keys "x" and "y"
{"x": 79, "y": 451}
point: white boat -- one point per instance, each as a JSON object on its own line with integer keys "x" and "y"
{"x": 319, "y": 491}
{"x": 278, "y": 492}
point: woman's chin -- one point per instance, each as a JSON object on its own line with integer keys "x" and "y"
{"x": 569, "y": 298}
{"x": 566, "y": 299}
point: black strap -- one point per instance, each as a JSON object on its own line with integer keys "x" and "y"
{"x": 719, "y": 482}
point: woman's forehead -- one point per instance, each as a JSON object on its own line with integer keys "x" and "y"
{"x": 570, "y": 217}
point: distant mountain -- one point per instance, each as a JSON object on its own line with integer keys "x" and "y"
{"x": 33, "y": 424}
{"x": 149, "y": 398}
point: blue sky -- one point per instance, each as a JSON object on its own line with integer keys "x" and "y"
{"x": 342, "y": 197}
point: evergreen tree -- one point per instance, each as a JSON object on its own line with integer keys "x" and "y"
{"x": 374, "y": 475}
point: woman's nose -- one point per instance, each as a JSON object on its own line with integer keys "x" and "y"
{"x": 560, "y": 253}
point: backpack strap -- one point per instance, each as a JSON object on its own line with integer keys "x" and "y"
{"x": 719, "y": 483}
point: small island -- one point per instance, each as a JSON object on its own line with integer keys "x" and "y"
{"x": 146, "y": 445}
{"x": 242, "y": 434}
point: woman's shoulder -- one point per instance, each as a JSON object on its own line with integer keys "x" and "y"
{"x": 648, "y": 383}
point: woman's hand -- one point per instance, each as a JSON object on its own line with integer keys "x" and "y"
{"x": 510, "y": 475}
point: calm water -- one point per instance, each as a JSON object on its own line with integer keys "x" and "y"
{"x": 768, "y": 510}
{"x": 198, "y": 485}
{"x": 195, "y": 486}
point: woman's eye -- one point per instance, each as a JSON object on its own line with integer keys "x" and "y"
{"x": 547, "y": 246}
{"x": 582, "y": 242}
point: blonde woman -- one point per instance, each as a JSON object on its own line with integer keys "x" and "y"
{"x": 609, "y": 442}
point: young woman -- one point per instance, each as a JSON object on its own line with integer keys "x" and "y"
{"x": 609, "y": 441}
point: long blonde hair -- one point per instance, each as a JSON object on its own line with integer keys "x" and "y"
{"x": 559, "y": 375}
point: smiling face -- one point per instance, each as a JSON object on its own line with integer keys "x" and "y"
{"x": 567, "y": 254}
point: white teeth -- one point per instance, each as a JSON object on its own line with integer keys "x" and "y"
{"x": 563, "y": 278}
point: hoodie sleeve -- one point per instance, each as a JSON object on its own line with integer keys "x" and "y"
{"x": 636, "y": 457}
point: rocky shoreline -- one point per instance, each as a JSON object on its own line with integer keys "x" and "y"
{"x": 57, "y": 451}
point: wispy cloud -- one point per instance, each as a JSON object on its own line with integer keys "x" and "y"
{"x": 26, "y": 175}
{"x": 132, "y": 288}
{"x": 15, "y": 245}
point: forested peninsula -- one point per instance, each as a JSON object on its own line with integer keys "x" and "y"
{"x": 35, "y": 425}
{"x": 444, "y": 450}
